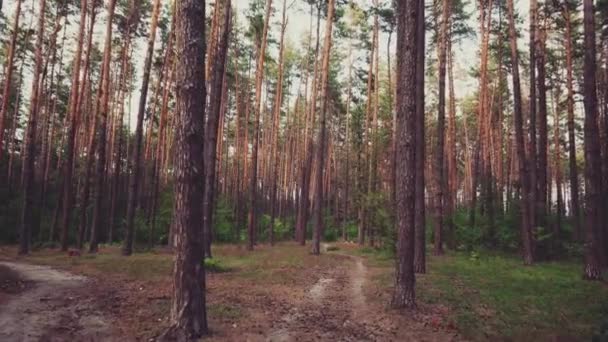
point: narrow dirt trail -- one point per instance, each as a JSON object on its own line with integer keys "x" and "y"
{"x": 54, "y": 309}
{"x": 338, "y": 308}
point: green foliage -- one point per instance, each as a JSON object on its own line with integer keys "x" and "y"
{"x": 496, "y": 295}
{"x": 223, "y": 222}
{"x": 215, "y": 265}
{"x": 282, "y": 228}
{"x": 490, "y": 294}
{"x": 351, "y": 230}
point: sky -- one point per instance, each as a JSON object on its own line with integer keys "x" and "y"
{"x": 466, "y": 55}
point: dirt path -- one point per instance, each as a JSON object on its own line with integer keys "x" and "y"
{"x": 55, "y": 308}
{"x": 337, "y": 309}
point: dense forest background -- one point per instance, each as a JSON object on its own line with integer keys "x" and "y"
{"x": 295, "y": 149}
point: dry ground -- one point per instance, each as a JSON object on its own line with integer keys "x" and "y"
{"x": 272, "y": 294}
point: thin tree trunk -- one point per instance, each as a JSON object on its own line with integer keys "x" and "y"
{"x": 440, "y": 148}
{"x": 526, "y": 227}
{"x": 259, "y": 77}
{"x": 212, "y": 125}
{"x": 275, "y": 126}
{"x": 9, "y": 74}
{"x": 532, "y": 146}
{"x": 419, "y": 150}
{"x": 541, "y": 197}
{"x": 101, "y": 145}
{"x": 136, "y": 159}
{"x": 28, "y": 218}
{"x": 82, "y": 222}
{"x": 318, "y": 203}
{"x": 573, "y": 170}
{"x": 68, "y": 167}
{"x": 593, "y": 163}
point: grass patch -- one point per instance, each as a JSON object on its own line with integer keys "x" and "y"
{"x": 495, "y": 295}
{"x": 225, "y": 312}
{"x": 215, "y": 265}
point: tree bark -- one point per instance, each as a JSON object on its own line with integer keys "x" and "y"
{"x": 275, "y": 126}
{"x": 593, "y": 162}
{"x": 532, "y": 160}
{"x": 526, "y": 226}
{"x": 101, "y": 144}
{"x": 28, "y": 218}
{"x": 9, "y": 74}
{"x": 420, "y": 150}
{"x": 542, "y": 158}
{"x": 407, "y": 47}
{"x": 136, "y": 159}
{"x": 573, "y": 170}
{"x": 439, "y": 178}
{"x": 68, "y": 167}
{"x": 259, "y": 77}
{"x": 218, "y": 73}
{"x": 319, "y": 203}
{"x": 188, "y": 319}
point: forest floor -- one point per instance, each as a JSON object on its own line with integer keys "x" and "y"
{"x": 283, "y": 293}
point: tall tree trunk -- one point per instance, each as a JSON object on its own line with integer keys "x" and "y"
{"x": 557, "y": 162}
{"x": 593, "y": 162}
{"x": 9, "y": 74}
{"x": 136, "y": 159}
{"x": 68, "y": 167}
{"x": 115, "y": 177}
{"x": 573, "y": 170}
{"x": 408, "y": 44}
{"x": 259, "y": 77}
{"x": 28, "y": 218}
{"x": 440, "y": 148}
{"x": 450, "y": 151}
{"x": 218, "y": 74}
{"x": 275, "y": 125}
{"x": 319, "y": 203}
{"x": 101, "y": 144}
{"x": 188, "y": 319}
{"x": 348, "y": 145}
{"x": 84, "y": 201}
{"x": 309, "y": 118}
{"x": 526, "y": 226}
{"x": 419, "y": 149}
{"x": 542, "y": 158}
{"x": 532, "y": 160}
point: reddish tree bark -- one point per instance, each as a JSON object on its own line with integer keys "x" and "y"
{"x": 407, "y": 47}
{"x": 593, "y": 162}
{"x": 526, "y": 225}
{"x": 188, "y": 319}
{"x": 136, "y": 159}
{"x": 217, "y": 75}
{"x": 319, "y": 203}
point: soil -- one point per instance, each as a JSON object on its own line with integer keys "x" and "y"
{"x": 338, "y": 310}
{"x": 11, "y": 283}
{"x": 50, "y": 306}
{"x": 327, "y": 298}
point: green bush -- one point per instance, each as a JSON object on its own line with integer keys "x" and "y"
{"x": 215, "y": 265}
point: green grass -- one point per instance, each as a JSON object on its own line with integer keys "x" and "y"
{"x": 140, "y": 266}
{"x": 495, "y": 295}
{"x": 225, "y": 312}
